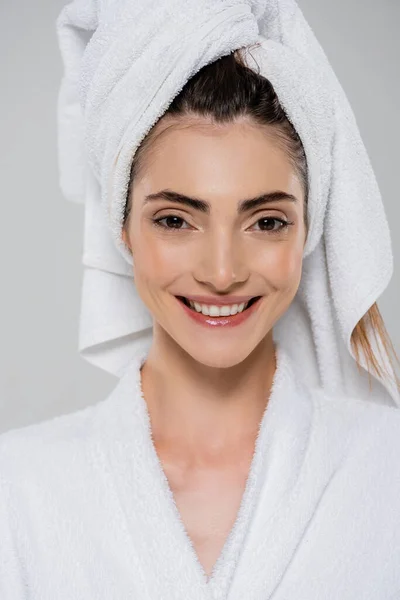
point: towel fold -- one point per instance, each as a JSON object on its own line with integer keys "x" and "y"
{"x": 124, "y": 63}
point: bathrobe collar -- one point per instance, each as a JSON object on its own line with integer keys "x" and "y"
{"x": 280, "y": 490}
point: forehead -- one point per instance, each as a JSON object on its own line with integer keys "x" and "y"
{"x": 235, "y": 159}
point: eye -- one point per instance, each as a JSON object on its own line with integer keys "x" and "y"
{"x": 270, "y": 222}
{"x": 171, "y": 222}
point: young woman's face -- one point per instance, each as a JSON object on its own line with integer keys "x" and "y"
{"x": 215, "y": 249}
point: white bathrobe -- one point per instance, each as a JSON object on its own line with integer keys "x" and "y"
{"x": 87, "y": 512}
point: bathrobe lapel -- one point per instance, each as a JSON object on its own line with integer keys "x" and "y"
{"x": 299, "y": 466}
{"x": 169, "y": 567}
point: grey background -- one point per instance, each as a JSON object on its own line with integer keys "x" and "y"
{"x": 42, "y": 374}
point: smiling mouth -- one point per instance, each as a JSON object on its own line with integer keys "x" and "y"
{"x": 186, "y": 302}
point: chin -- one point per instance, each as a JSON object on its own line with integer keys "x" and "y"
{"x": 217, "y": 356}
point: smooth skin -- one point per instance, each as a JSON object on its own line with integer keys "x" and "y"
{"x": 207, "y": 388}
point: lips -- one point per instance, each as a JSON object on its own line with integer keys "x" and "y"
{"x": 221, "y": 323}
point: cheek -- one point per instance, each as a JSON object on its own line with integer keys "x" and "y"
{"x": 281, "y": 265}
{"x": 157, "y": 262}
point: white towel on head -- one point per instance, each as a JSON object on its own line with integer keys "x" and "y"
{"x": 124, "y": 63}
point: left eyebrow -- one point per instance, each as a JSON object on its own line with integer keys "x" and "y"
{"x": 205, "y": 207}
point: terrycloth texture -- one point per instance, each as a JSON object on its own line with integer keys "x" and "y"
{"x": 124, "y": 63}
{"x": 86, "y": 510}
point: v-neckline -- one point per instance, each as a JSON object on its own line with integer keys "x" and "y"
{"x": 222, "y": 571}
{"x": 154, "y": 522}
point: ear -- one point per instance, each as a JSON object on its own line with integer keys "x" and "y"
{"x": 125, "y": 238}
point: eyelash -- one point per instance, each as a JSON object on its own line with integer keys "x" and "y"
{"x": 284, "y": 224}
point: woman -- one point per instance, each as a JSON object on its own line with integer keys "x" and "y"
{"x": 214, "y": 469}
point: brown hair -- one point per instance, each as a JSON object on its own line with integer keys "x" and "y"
{"x": 227, "y": 89}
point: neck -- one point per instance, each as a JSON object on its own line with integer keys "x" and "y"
{"x": 199, "y": 410}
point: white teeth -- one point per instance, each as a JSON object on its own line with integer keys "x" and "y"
{"x": 218, "y": 311}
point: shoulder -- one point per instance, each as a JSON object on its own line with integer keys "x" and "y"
{"x": 45, "y": 447}
{"x": 364, "y": 433}
{"x": 363, "y": 416}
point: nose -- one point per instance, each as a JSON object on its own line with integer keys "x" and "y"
{"x": 222, "y": 261}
